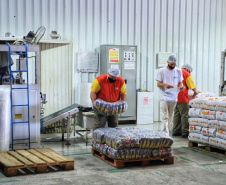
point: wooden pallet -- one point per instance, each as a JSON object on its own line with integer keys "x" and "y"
{"x": 207, "y": 148}
{"x": 37, "y": 159}
{"x": 121, "y": 163}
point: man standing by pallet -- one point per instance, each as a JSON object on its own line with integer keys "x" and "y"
{"x": 180, "y": 120}
{"x": 169, "y": 80}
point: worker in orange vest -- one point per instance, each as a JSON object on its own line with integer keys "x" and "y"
{"x": 109, "y": 87}
{"x": 180, "y": 120}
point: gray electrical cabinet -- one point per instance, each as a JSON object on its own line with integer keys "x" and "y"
{"x": 123, "y": 57}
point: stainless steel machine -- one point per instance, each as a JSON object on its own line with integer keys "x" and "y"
{"x": 222, "y": 88}
{"x": 19, "y": 96}
{"x": 123, "y": 57}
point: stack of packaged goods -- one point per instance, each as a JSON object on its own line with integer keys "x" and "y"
{"x": 110, "y": 108}
{"x": 207, "y": 122}
{"x": 56, "y": 128}
{"x": 132, "y": 143}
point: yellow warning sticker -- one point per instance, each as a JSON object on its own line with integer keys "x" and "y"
{"x": 18, "y": 116}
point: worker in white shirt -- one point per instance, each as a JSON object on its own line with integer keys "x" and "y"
{"x": 169, "y": 80}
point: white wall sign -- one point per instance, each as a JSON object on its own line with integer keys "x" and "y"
{"x": 115, "y": 66}
{"x": 163, "y": 57}
{"x": 129, "y": 56}
{"x": 129, "y": 65}
{"x": 87, "y": 62}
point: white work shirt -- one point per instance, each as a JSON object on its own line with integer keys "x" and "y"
{"x": 172, "y": 77}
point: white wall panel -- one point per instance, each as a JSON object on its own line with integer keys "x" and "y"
{"x": 56, "y": 75}
{"x": 194, "y": 29}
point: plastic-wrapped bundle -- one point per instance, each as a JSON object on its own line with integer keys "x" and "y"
{"x": 221, "y": 116}
{"x": 149, "y": 138}
{"x": 208, "y": 114}
{"x": 222, "y": 125}
{"x": 110, "y": 108}
{"x": 124, "y": 106}
{"x": 205, "y": 94}
{"x": 222, "y": 143}
{"x": 204, "y": 122}
{"x": 95, "y": 145}
{"x": 213, "y": 141}
{"x": 195, "y": 103}
{"x": 211, "y": 132}
{"x": 104, "y": 148}
{"x": 154, "y": 140}
{"x": 113, "y": 153}
{"x": 212, "y": 102}
{"x": 204, "y": 139}
{"x": 195, "y": 137}
{"x": 202, "y": 103}
{"x": 121, "y": 139}
{"x": 193, "y": 112}
{"x": 131, "y": 154}
{"x": 195, "y": 129}
{"x": 194, "y": 121}
{"x": 98, "y": 135}
{"x": 221, "y": 104}
{"x": 166, "y": 152}
{"x": 214, "y": 124}
{"x": 221, "y": 134}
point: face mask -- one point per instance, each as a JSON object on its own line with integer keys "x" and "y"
{"x": 111, "y": 80}
{"x": 171, "y": 67}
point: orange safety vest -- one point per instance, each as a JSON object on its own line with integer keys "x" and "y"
{"x": 109, "y": 92}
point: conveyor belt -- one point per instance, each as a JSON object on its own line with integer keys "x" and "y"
{"x": 61, "y": 114}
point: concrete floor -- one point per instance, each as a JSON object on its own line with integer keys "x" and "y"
{"x": 190, "y": 167}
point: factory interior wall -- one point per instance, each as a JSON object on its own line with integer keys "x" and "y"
{"x": 193, "y": 29}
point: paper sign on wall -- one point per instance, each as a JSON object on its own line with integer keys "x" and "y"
{"x": 163, "y": 57}
{"x": 145, "y": 101}
{"x": 115, "y": 66}
{"x": 113, "y": 55}
{"x": 129, "y": 65}
{"x": 129, "y": 56}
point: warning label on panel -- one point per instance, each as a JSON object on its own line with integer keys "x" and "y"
{"x": 113, "y": 55}
{"x": 129, "y": 56}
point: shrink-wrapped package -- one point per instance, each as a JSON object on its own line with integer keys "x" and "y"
{"x": 195, "y": 121}
{"x": 204, "y": 139}
{"x": 214, "y": 141}
{"x": 132, "y": 143}
{"x": 222, "y": 125}
{"x": 195, "y": 129}
{"x": 211, "y": 132}
{"x": 110, "y": 108}
{"x": 221, "y": 134}
{"x": 98, "y": 135}
{"x": 221, "y": 116}
{"x": 222, "y": 143}
{"x": 121, "y": 139}
{"x": 208, "y": 114}
{"x": 204, "y": 122}
{"x": 205, "y": 94}
{"x": 194, "y": 112}
{"x": 214, "y": 124}
{"x": 195, "y": 137}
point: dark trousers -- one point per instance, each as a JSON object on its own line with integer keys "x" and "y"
{"x": 100, "y": 120}
{"x": 180, "y": 119}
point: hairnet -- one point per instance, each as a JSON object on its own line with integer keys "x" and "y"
{"x": 172, "y": 59}
{"x": 114, "y": 72}
{"x": 187, "y": 66}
